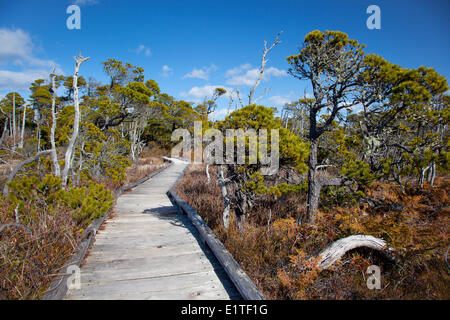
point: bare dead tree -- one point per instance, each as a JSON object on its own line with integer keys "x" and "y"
{"x": 239, "y": 98}
{"x": 262, "y": 95}
{"x": 207, "y": 173}
{"x": 76, "y": 124}
{"x": 264, "y": 61}
{"x": 14, "y": 121}
{"x": 54, "y": 155}
{"x": 226, "y": 200}
{"x": 22, "y": 133}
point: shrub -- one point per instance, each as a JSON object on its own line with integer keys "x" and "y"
{"x": 86, "y": 203}
{"x": 278, "y": 254}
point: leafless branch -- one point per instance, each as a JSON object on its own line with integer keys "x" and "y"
{"x": 263, "y": 65}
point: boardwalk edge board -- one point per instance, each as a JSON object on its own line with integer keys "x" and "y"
{"x": 240, "y": 279}
{"x": 58, "y": 287}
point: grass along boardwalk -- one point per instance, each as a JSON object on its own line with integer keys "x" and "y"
{"x": 148, "y": 250}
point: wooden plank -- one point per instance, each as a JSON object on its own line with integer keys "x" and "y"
{"x": 149, "y": 250}
{"x": 58, "y": 287}
{"x": 177, "y": 282}
{"x": 95, "y": 255}
{"x": 245, "y": 286}
{"x": 144, "y": 262}
{"x": 198, "y": 292}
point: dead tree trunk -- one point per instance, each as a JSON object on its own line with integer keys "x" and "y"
{"x": 338, "y": 248}
{"x": 76, "y": 124}
{"x": 432, "y": 173}
{"x": 207, "y": 173}
{"x": 226, "y": 200}
{"x": 14, "y": 122}
{"x": 22, "y": 133}
{"x": 263, "y": 65}
{"x": 54, "y": 155}
{"x": 422, "y": 176}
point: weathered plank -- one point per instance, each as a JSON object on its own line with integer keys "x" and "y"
{"x": 58, "y": 288}
{"x": 180, "y": 281}
{"x": 240, "y": 279}
{"x": 148, "y": 250}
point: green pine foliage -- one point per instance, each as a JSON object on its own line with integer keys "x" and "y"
{"x": 86, "y": 203}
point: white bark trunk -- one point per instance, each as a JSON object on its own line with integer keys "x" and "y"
{"x": 22, "y": 133}
{"x": 226, "y": 200}
{"x": 56, "y": 168}
{"x": 422, "y": 177}
{"x": 14, "y": 122}
{"x": 133, "y": 142}
{"x": 433, "y": 174}
{"x": 207, "y": 173}
{"x": 68, "y": 157}
{"x": 263, "y": 65}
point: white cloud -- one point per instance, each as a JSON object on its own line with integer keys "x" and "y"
{"x": 197, "y": 94}
{"x": 21, "y": 80}
{"x": 244, "y": 76}
{"x": 237, "y": 70}
{"x": 272, "y": 71}
{"x": 280, "y": 100}
{"x": 247, "y": 79}
{"x": 143, "y": 49}
{"x": 202, "y": 73}
{"x": 166, "y": 71}
{"x": 17, "y": 49}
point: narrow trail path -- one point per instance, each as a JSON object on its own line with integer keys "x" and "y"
{"x": 148, "y": 250}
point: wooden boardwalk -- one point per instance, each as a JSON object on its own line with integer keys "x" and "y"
{"x": 148, "y": 250}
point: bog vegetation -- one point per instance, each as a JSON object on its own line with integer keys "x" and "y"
{"x": 366, "y": 153}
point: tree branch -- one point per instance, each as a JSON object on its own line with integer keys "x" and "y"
{"x": 20, "y": 166}
{"x": 263, "y": 65}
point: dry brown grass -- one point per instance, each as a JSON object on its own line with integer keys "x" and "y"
{"x": 276, "y": 252}
{"x": 29, "y": 262}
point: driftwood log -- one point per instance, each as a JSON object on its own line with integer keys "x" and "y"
{"x": 338, "y": 248}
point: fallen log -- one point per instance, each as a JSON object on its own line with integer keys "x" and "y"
{"x": 338, "y": 248}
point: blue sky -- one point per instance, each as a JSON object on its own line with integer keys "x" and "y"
{"x": 189, "y": 47}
